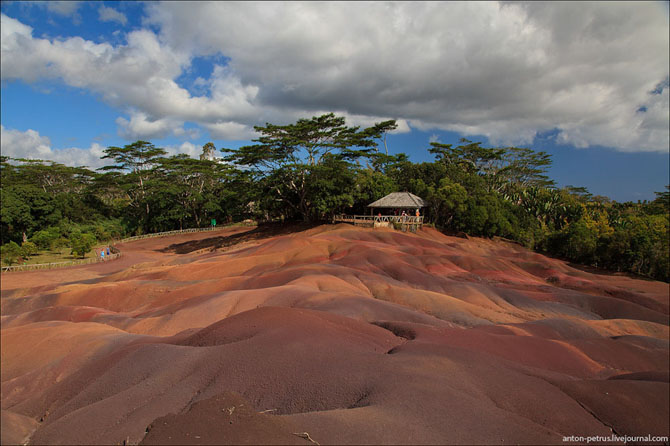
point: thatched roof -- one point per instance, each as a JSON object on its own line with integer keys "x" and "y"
{"x": 398, "y": 200}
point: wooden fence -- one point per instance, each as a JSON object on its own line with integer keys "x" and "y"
{"x": 166, "y": 233}
{"x": 404, "y": 222}
{"x": 52, "y": 265}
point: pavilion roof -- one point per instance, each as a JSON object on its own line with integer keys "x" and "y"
{"x": 399, "y": 200}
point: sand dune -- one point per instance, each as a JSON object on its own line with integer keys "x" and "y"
{"x": 334, "y": 334}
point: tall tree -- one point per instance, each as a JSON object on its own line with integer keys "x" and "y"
{"x": 137, "y": 160}
{"x": 289, "y": 154}
{"x": 208, "y": 152}
{"x": 189, "y": 190}
{"x": 380, "y": 132}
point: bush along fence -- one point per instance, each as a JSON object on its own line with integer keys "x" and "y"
{"x": 112, "y": 256}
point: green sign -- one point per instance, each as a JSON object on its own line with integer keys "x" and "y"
{"x": 213, "y": 222}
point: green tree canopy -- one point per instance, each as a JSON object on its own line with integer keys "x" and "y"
{"x": 289, "y": 155}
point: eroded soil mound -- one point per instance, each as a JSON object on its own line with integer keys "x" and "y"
{"x": 331, "y": 334}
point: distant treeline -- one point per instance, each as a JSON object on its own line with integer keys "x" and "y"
{"x": 318, "y": 167}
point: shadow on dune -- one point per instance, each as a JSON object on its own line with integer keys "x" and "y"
{"x": 262, "y": 231}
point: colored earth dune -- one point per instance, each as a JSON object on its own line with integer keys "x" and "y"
{"x": 334, "y": 335}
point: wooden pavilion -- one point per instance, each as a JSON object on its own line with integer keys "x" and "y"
{"x": 401, "y": 201}
{"x": 398, "y": 201}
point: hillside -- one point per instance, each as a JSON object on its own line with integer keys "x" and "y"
{"x": 350, "y": 335}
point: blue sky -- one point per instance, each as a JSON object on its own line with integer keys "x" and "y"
{"x": 565, "y": 78}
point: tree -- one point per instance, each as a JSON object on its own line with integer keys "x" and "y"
{"x": 370, "y": 185}
{"x": 44, "y": 239}
{"x": 380, "y": 131}
{"x": 28, "y": 249}
{"x": 288, "y": 155}
{"x": 137, "y": 160}
{"x": 187, "y": 191}
{"x": 501, "y": 168}
{"x": 37, "y": 194}
{"x": 208, "y": 152}
{"x": 330, "y": 187}
{"x": 661, "y": 204}
{"x": 81, "y": 243}
{"x": 26, "y": 208}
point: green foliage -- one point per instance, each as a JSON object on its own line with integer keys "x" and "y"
{"x": 44, "y": 239}
{"x": 287, "y": 158}
{"x": 368, "y": 186}
{"x": 25, "y": 208}
{"x": 318, "y": 167}
{"x": 329, "y": 187}
{"x": 10, "y": 253}
{"x": 28, "y": 249}
{"x": 81, "y": 243}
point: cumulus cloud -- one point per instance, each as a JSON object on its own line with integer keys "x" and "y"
{"x": 111, "y": 15}
{"x": 186, "y": 147}
{"x": 506, "y": 71}
{"x": 64, "y": 8}
{"x": 31, "y": 145}
{"x": 140, "y": 126}
{"x": 503, "y": 70}
{"x": 230, "y": 130}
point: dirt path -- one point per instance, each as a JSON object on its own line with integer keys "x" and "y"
{"x": 134, "y": 252}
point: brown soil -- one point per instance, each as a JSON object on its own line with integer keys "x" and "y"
{"x": 330, "y": 334}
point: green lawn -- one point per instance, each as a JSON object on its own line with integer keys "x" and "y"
{"x": 60, "y": 255}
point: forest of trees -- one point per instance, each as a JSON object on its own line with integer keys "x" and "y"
{"x": 318, "y": 167}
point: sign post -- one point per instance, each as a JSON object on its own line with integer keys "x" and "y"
{"x": 213, "y": 222}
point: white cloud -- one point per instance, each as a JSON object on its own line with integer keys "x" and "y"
{"x": 141, "y": 127}
{"x": 31, "y": 145}
{"x": 186, "y": 147}
{"x": 505, "y": 71}
{"x": 111, "y": 15}
{"x": 230, "y": 130}
{"x": 64, "y": 8}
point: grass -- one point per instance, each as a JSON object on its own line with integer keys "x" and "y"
{"x": 60, "y": 255}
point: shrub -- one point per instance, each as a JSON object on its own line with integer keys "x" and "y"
{"x": 10, "y": 253}
{"x": 61, "y": 242}
{"x": 28, "y": 249}
{"x": 45, "y": 239}
{"x": 81, "y": 243}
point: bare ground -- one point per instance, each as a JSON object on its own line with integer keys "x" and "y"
{"x": 330, "y": 335}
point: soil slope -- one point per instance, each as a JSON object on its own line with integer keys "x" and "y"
{"x": 333, "y": 334}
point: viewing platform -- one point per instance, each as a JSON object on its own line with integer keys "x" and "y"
{"x": 401, "y": 222}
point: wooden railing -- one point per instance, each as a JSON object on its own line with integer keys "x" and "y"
{"x": 166, "y": 233}
{"x": 52, "y": 265}
{"x": 404, "y": 222}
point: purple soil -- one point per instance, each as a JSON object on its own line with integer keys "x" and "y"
{"x": 354, "y": 336}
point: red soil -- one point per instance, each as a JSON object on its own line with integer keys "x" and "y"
{"x": 349, "y": 335}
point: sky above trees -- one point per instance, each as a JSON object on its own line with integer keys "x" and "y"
{"x": 586, "y": 82}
